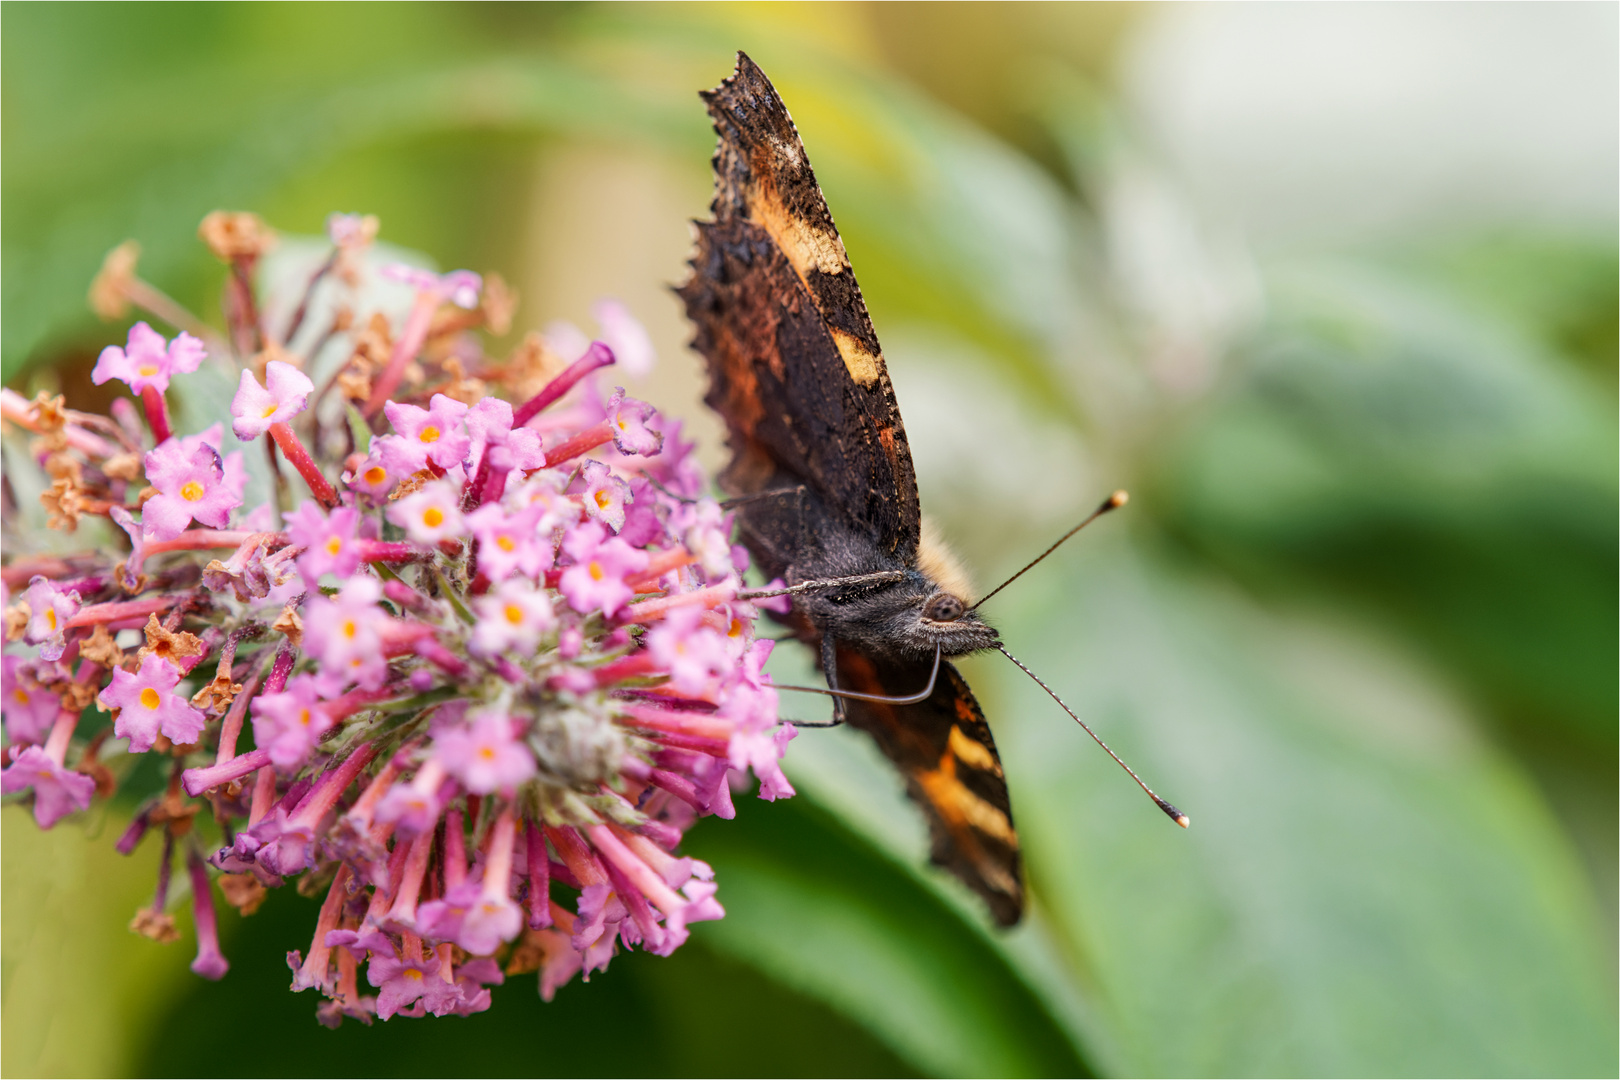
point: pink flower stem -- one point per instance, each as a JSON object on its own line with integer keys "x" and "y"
{"x": 498, "y": 855}
{"x": 264, "y": 795}
{"x": 380, "y": 784}
{"x": 703, "y": 725}
{"x": 639, "y": 873}
{"x": 197, "y": 781}
{"x": 286, "y": 656}
{"x": 585, "y": 441}
{"x": 408, "y": 345}
{"x": 661, "y": 564}
{"x": 539, "y": 876}
{"x": 200, "y": 539}
{"x": 386, "y": 551}
{"x": 294, "y": 452}
{"x": 628, "y": 667}
{"x": 454, "y": 856}
{"x": 430, "y": 649}
{"x": 576, "y": 855}
{"x": 210, "y": 962}
{"x": 653, "y": 610}
{"x": 316, "y": 968}
{"x": 325, "y": 794}
{"x": 157, "y": 413}
{"x": 121, "y": 609}
{"x": 56, "y": 744}
{"x": 231, "y": 727}
{"x": 597, "y": 356}
{"x": 403, "y": 911}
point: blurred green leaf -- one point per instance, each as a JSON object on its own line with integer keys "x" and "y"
{"x": 1366, "y": 888}
{"x": 1419, "y": 458}
{"x": 825, "y": 913}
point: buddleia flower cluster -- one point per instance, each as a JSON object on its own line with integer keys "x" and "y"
{"x": 468, "y": 667}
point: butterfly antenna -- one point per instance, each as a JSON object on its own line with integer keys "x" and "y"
{"x": 1113, "y": 502}
{"x": 1175, "y": 815}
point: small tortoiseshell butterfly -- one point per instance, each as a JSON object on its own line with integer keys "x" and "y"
{"x": 823, "y": 482}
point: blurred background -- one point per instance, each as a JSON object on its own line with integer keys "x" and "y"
{"x": 1331, "y": 289}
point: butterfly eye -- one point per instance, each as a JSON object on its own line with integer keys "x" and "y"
{"x": 944, "y": 608}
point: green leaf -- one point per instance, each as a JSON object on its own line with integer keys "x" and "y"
{"x": 1367, "y": 888}
{"x": 813, "y": 906}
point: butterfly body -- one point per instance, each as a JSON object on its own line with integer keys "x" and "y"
{"x": 821, "y": 459}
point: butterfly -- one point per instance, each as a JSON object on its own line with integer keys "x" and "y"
{"x": 826, "y": 494}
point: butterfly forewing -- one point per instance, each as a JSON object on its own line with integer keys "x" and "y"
{"x": 796, "y": 372}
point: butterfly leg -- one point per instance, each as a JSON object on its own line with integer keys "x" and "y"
{"x": 829, "y": 664}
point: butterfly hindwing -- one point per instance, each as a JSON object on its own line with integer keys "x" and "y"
{"x": 794, "y": 365}
{"x": 944, "y": 749}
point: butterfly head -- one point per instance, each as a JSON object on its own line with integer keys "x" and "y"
{"x": 909, "y": 617}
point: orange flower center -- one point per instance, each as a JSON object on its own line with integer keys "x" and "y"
{"x": 505, "y": 543}
{"x": 433, "y": 517}
{"x": 192, "y": 491}
{"x": 147, "y": 370}
{"x": 603, "y": 499}
{"x": 514, "y": 614}
{"x": 596, "y": 571}
{"x": 270, "y": 410}
{"x": 334, "y": 545}
{"x": 150, "y": 698}
{"x": 376, "y": 475}
{"x": 429, "y": 434}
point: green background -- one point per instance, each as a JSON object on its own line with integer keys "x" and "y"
{"x": 1358, "y": 619}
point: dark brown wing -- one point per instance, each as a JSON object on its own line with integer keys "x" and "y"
{"x": 944, "y": 749}
{"x": 794, "y": 365}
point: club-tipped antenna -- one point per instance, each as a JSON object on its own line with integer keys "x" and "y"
{"x": 1170, "y": 811}
{"x": 1113, "y": 502}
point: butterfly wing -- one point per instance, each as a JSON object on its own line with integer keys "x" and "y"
{"x": 795, "y": 367}
{"x": 944, "y": 749}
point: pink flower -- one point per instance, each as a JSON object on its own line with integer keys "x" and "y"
{"x": 706, "y": 533}
{"x": 29, "y": 709}
{"x": 290, "y": 724}
{"x": 628, "y": 419}
{"x": 597, "y": 578}
{"x": 344, "y": 632}
{"x": 437, "y": 433}
{"x": 694, "y": 654}
{"x": 49, "y": 609}
{"x": 193, "y": 482}
{"x": 460, "y": 287}
{"x": 429, "y": 515}
{"x": 329, "y": 543}
{"x": 148, "y": 360}
{"x": 416, "y": 806}
{"x": 130, "y": 578}
{"x": 489, "y": 424}
{"x": 255, "y": 407}
{"x": 629, "y": 340}
{"x": 490, "y": 920}
{"x": 605, "y": 495}
{"x": 57, "y": 792}
{"x": 512, "y": 616}
{"x": 148, "y": 704}
{"x": 509, "y": 543}
{"x": 484, "y": 756}
{"x": 400, "y": 982}
{"x": 391, "y": 460}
